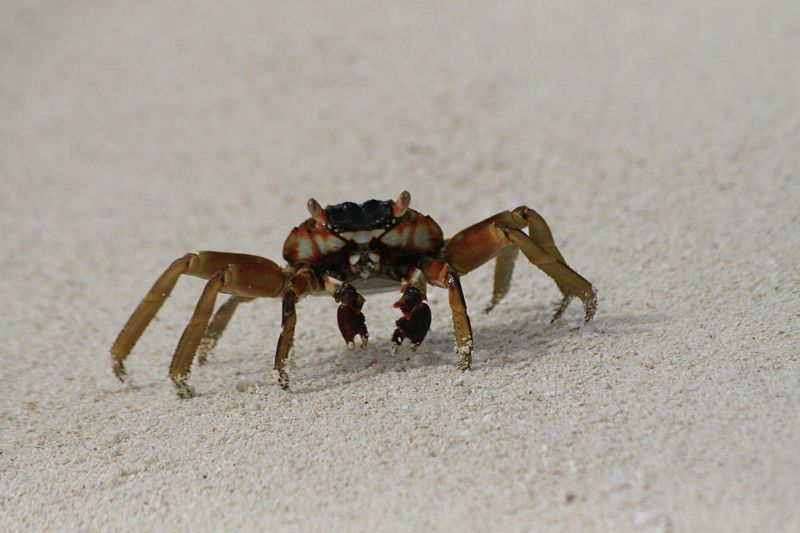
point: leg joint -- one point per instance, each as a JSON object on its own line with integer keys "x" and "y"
{"x": 436, "y": 272}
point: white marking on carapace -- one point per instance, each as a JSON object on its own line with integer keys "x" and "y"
{"x": 363, "y": 236}
{"x": 422, "y": 238}
{"x": 375, "y": 258}
{"x": 396, "y": 238}
{"x": 355, "y": 258}
{"x": 304, "y": 249}
{"x": 328, "y": 244}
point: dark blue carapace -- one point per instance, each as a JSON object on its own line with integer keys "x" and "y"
{"x": 350, "y": 216}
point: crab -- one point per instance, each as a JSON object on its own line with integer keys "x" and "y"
{"x": 347, "y": 250}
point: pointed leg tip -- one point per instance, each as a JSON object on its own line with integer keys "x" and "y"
{"x": 395, "y": 348}
{"x": 350, "y": 345}
{"x": 562, "y": 306}
{"x": 590, "y": 308}
{"x": 183, "y": 390}
{"x": 283, "y": 379}
{"x": 120, "y": 372}
{"x": 465, "y": 355}
{"x": 364, "y": 342}
{"x": 203, "y": 351}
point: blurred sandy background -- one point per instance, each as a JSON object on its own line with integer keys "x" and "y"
{"x": 660, "y": 140}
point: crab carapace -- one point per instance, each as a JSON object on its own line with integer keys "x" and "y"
{"x": 347, "y": 250}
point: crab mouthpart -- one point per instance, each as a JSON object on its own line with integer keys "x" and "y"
{"x": 365, "y": 264}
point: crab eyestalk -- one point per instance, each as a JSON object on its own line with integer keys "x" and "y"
{"x": 317, "y": 213}
{"x": 401, "y": 204}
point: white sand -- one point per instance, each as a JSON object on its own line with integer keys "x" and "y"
{"x": 660, "y": 140}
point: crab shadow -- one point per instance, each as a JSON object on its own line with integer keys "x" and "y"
{"x": 496, "y": 345}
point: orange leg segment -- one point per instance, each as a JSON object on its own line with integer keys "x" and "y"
{"x": 217, "y": 327}
{"x": 304, "y": 282}
{"x": 286, "y": 339}
{"x": 503, "y": 269}
{"x": 440, "y": 274}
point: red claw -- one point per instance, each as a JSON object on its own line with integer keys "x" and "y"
{"x": 416, "y": 320}
{"x": 349, "y": 316}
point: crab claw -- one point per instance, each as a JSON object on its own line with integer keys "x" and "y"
{"x": 416, "y": 319}
{"x": 351, "y": 319}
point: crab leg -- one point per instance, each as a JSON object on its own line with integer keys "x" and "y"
{"x": 217, "y": 327}
{"x": 304, "y": 282}
{"x": 439, "y": 273}
{"x": 192, "y": 334}
{"x": 569, "y": 282}
{"x": 286, "y": 338}
{"x": 263, "y": 280}
{"x": 494, "y": 236}
{"x": 461, "y": 323}
{"x": 202, "y": 264}
{"x": 503, "y": 269}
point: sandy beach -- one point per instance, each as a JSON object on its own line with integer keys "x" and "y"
{"x": 661, "y": 141}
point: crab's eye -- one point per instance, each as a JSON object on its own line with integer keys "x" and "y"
{"x": 317, "y": 213}
{"x": 400, "y": 206}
